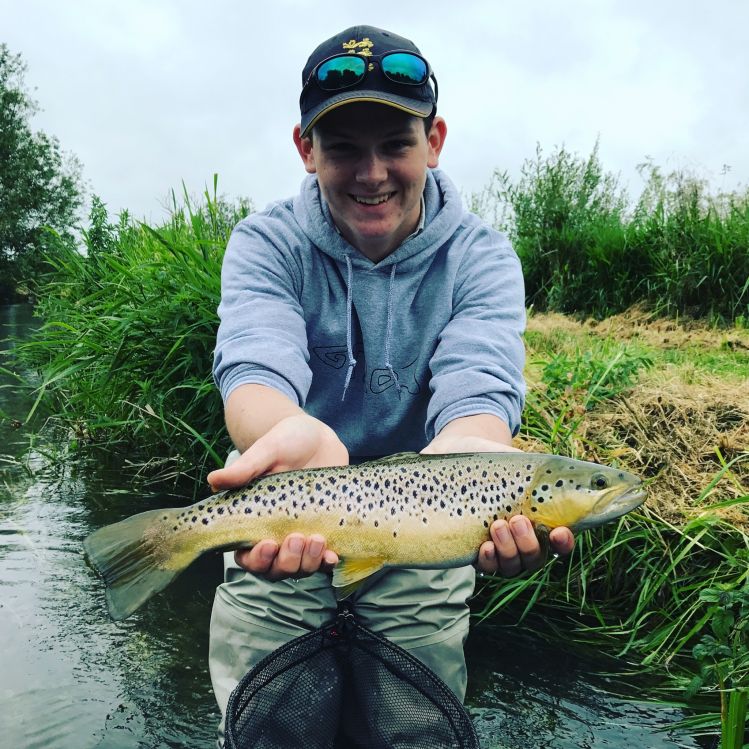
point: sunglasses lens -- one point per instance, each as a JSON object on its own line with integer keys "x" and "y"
{"x": 402, "y": 67}
{"x": 341, "y": 72}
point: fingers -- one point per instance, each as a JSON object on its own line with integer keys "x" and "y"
{"x": 296, "y": 557}
{"x": 562, "y": 541}
{"x": 513, "y": 549}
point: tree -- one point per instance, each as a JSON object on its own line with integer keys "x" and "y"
{"x": 40, "y": 185}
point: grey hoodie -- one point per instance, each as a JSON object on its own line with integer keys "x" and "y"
{"x": 384, "y": 353}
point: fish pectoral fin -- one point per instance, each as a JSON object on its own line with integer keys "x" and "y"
{"x": 542, "y": 534}
{"x": 349, "y": 574}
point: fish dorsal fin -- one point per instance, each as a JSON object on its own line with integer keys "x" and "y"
{"x": 395, "y": 458}
{"x": 349, "y": 574}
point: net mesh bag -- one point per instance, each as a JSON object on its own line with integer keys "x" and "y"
{"x": 344, "y": 687}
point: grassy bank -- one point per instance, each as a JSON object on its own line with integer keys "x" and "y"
{"x": 125, "y": 350}
{"x": 587, "y": 247}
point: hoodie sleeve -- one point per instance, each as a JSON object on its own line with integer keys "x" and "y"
{"x": 262, "y": 337}
{"x": 478, "y": 364}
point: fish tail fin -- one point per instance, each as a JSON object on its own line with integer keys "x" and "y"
{"x": 136, "y": 559}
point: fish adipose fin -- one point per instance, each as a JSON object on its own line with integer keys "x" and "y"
{"x": 135, "y": 560}
{"x": 349, "y": 574}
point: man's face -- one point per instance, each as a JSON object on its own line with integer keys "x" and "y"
{"x": 371, "y": 162}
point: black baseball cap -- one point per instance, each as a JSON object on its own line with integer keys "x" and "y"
{"x": 369, "y": 42}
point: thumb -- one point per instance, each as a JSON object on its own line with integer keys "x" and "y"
{"x": 255, "y": 461}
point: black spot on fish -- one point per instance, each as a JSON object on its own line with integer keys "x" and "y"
{"x": 442, "y": 504}
{"x": 508, "y": 508}
{"x": 205, "y": 521}
{"x": 344, "y": 488}
{"x": 578, "y": 487}
{"x": 235, "y": 502}
{"x": 321, "y": 501}
{"x": 271, "y": 487}
{"x": 376, "y": 524}
{"x": 484, "y": 474}
{"x": 387, "y": 483}
{"x": 534, "y": 493}
{"x": 544, "y": 487}
{"x": 370, "y": 506}
{"x": 528, "y": 467}
{"x": 220, "y": 510}
{"x": 318, "y": 487}
{"x": 473, "y": 510}
{"x": 395, "y": 534}
{"x": 367, "y": 483}
{"x": 392, "y": 510}
{"x": 527, "y": 479}
{"x": 540, "y": 500}
{"x": 486, "y": 523}
{"x": 424, "y": 520}
{"x": 194, "y": 518}
{"x": 459, "y": 511}
{"x": 483, "y": 499}
{"x": 504, "y": 483}
{"x": 166, "y": 517}
{"x": 247, "y": 510}
{"x": 496, "y": 516}
{"x": 201, "y": 507}
{"x": 559, "y": 483}
{"x": 340, "y": 522}
{"x": 533, "y": 509}
{"x": 175, "y": 528}
{"x": 521, "y": 489}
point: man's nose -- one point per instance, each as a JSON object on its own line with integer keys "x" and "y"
{"x": 371, "y": 169}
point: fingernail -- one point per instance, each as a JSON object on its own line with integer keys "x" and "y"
{"x": 267, "y": 552}
{"x": 490, "y": 552}
{"x": 503, "y": 533}
{"x": 520, "y": 526}
{"x": 296, "y": 545}
{"x": 315, "y": 548}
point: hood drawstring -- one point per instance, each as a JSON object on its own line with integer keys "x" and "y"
{"x": 388, "y": 331}
{"x": 349, "y": 305}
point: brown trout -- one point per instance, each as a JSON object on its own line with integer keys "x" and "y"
{"x": 407, "y": 510}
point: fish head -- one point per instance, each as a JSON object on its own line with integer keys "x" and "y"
{"x": 580, "y": 495}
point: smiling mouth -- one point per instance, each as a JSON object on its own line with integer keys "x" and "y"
{"x": 374, "y": 199}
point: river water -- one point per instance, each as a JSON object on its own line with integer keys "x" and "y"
{"x": 70, "y": 678}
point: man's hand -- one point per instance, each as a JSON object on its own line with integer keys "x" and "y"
{"x": 298, "y": 441}
{"x": 514, "y": 547}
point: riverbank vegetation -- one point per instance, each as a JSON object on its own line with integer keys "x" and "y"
{"x": 40, "y": 185}
{"x": 650, "y": 374}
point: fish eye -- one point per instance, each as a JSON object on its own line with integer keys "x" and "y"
{"x": 599, "y": 481}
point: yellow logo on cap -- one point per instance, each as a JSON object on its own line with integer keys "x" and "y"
{"x": 364, "y": 47}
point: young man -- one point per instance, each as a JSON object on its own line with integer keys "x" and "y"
{"x": 369, "y": 315}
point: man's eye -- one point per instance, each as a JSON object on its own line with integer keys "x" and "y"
{"x": 399, "y": 145}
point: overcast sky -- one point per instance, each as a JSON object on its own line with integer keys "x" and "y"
{"x": 151, "y": 93}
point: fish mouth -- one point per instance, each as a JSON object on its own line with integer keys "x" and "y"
{"x": 625, "y": 502}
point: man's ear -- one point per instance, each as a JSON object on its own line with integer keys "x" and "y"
{"x": 436, "y": 139}
{"x": 304, "y": 146}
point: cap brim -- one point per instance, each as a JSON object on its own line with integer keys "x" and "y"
{"x": 414, "y": 107}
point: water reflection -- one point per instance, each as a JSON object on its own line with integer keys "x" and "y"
{"x": 72, "y": 679}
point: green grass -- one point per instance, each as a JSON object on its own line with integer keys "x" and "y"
{"x": 586, "y": 247}
{"x": 125, "y": 350}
